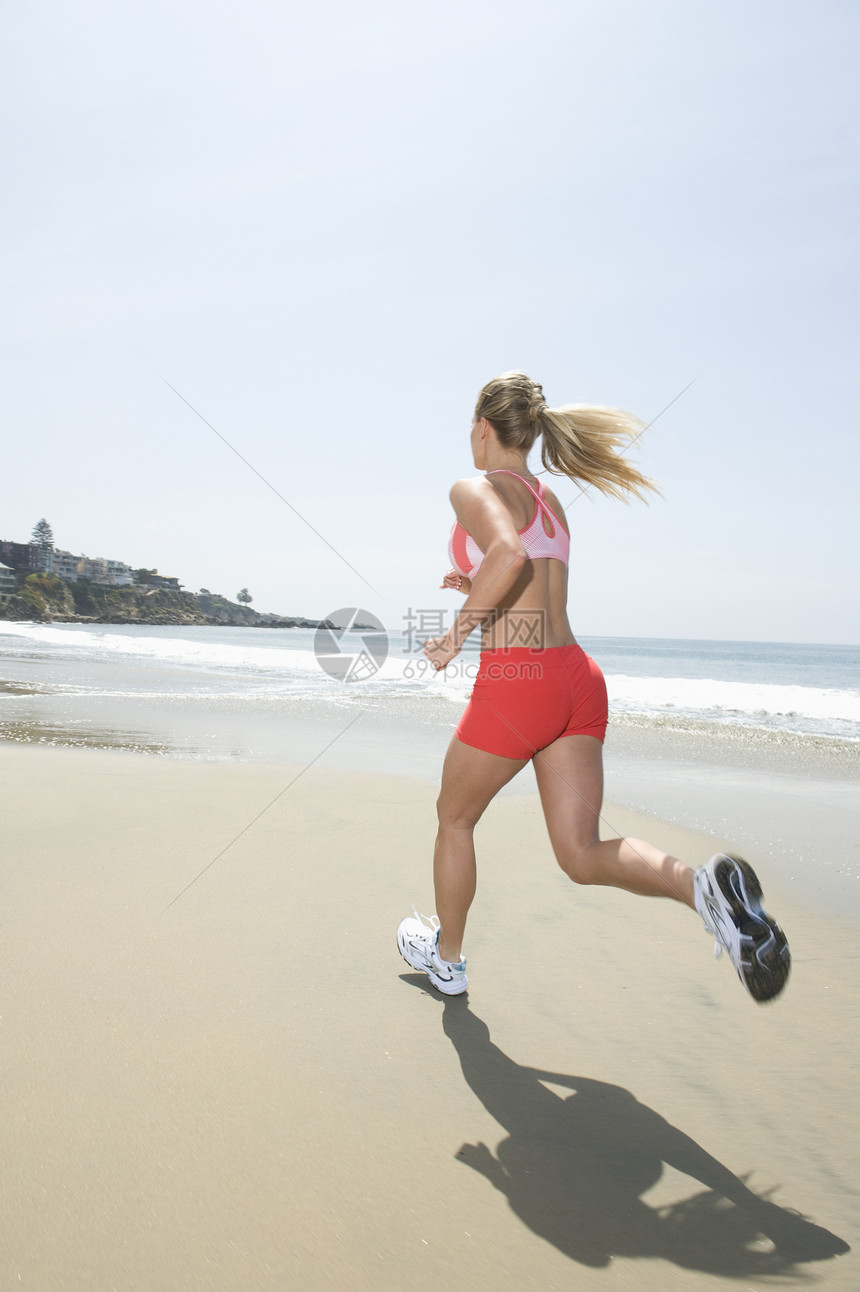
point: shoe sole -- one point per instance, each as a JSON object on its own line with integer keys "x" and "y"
{"x": 441, "y": 984}
{"x": 765, "y": 957}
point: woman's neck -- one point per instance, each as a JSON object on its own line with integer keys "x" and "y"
{"x": 507, "y": 462}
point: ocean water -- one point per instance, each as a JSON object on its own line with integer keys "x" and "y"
{"x": 776, "y": 687}
{"x": 753, "y": 743}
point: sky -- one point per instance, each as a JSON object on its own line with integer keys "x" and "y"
{"x": 327, "y": 225}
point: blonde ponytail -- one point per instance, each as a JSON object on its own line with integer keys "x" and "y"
{"x": 579, "y": 440}
{"x": 582, "y": 441}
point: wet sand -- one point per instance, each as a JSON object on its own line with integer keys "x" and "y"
{"x": 242, "y": 1085}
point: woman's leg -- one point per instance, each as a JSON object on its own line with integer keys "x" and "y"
{"x": 471, "y": 778}
{"x": 570, "y": 779}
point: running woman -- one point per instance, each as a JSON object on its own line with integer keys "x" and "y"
{"x": 538, "y": 697}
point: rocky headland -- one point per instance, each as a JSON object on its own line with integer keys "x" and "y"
{"x": 46, "y": 598}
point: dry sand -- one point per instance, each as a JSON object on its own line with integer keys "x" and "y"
{"x": 248, "y": 1089}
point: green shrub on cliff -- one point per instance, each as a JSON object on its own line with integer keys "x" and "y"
{"x": 46, "y": 595}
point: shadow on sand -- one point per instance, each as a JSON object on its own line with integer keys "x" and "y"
{"x": 574, "y": 1169}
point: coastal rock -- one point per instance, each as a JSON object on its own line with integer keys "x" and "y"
{"x": 294, "y": 622}
{"x": 40, "y": 597}
{"x": 45, "y": 598}
{"x": 16, "y": 608}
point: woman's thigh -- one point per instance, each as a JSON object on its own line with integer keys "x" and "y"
{"x": 569, "y": 774}
{"x": 471, "y": 778}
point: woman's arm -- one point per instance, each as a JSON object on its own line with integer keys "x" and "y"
{"x": 481, "y": 511}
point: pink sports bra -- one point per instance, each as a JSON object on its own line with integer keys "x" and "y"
{"x": 544, "y": 535}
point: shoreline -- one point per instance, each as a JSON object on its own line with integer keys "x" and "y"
{"x": 800, "y": 833}
{"x": 789, "y": 803}
{"x": 167, "y": 620}
{"x": 785, "y": 798}
{"x": 216, "y": 1064}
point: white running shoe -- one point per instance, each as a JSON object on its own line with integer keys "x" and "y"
{"x": 418, "y": 943}
{"x": 728, "y": 896}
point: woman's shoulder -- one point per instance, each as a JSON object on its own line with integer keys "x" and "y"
{"x": 469, "y": 487}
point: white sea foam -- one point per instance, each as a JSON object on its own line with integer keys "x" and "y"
{"x": 176, "y": 650}
{"x": 751, "y": 700}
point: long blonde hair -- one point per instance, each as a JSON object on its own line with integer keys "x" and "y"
{"x": 579, "y": 440}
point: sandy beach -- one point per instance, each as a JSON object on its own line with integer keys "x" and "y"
{"x": 242, "y": 1085}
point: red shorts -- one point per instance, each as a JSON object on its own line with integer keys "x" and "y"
{"x": 524, "y": 699}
